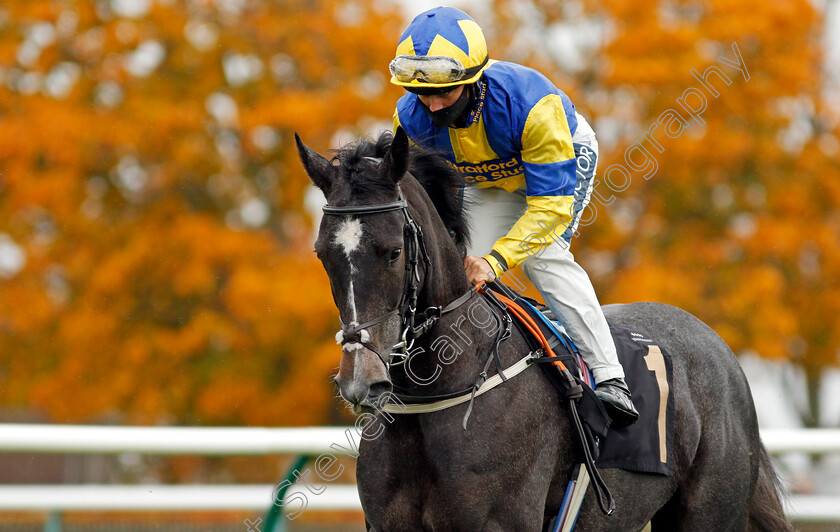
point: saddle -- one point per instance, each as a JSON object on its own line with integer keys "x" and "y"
{"x": 644, "y": 446}
{"x": 559, "y": 353}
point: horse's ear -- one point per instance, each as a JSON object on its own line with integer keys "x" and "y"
{"x": 396, "y": 160}
{"x": 316, "y": 165}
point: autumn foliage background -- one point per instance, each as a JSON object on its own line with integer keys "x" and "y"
{"x": 155, "y": 234}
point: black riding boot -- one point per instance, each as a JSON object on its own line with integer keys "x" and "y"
{"x": 615, "y": 395}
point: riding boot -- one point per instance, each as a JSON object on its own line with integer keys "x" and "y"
{"x": 615, "y": 395}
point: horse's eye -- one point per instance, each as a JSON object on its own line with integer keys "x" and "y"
{"x": 395, "y": 254}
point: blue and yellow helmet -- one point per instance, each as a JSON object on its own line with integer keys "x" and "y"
{"x": 442, "y": 47}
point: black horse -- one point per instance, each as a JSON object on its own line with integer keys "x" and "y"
{"x": 508, "y": 470}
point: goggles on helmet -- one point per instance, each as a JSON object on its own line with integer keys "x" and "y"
{"x": 436, "y": 69}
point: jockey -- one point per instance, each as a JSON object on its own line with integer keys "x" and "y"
{"x": 530, "y": 158}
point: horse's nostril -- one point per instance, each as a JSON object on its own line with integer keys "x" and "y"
{"x": 378, "y": 389}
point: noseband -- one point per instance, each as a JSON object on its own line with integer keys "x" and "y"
{"x": 407, "y": 308}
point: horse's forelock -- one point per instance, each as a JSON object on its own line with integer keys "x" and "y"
{"x": 358, "y": 166}
{"x": 358, "y": 162}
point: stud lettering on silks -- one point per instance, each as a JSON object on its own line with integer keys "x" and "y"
{"x": 491, "y": 170}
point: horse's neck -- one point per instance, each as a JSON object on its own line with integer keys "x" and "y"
{"x": 444, "y": 279}
{"x": 450, "y": 356}
{"x": 457, "y": 345}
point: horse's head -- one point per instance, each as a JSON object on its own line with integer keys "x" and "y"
{"x": 367, "y": 247}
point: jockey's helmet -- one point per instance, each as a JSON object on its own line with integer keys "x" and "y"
{"x": 440, "y": 49}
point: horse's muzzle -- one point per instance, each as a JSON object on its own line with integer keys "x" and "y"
{"x": 370, "y": 403}
{"x": 362, "y": 379}
{"x": 365, "y": 398}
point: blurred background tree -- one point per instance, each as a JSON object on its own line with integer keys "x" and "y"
{"x": 155, "y": 262}
{"x": 158, "y": 264}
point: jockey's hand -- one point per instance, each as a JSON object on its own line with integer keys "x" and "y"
{"x": 478, "y": 269}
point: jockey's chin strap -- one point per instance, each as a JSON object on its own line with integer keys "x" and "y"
{"x": 415, "y": 248}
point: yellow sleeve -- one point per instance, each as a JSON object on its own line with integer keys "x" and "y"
{"x": 543, "y": 223}
{"x": 548, "y": 157}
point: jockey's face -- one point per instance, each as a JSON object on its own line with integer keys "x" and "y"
{"x": 442, "y": 101}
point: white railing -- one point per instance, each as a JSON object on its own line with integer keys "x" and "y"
{"x": 157, "y": 497}
{"x": 809, "y": 441}
{"x": 263, "y": 441}
{"x": 257, "y": 498}
{"x": 88, "y": 439}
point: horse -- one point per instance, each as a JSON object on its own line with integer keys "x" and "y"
{"x": 392, "y": 242}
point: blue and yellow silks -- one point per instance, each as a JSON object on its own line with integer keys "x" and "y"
{"x": 519, "y": 133}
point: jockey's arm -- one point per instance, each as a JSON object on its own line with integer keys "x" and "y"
{"x": 550, "y": 177}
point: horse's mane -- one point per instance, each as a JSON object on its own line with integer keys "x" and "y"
{"x": 440, "y": 180}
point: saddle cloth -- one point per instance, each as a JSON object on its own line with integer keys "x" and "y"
{"x": 645, "y": 446}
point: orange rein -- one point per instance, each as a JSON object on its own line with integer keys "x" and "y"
{"x": 529, "y": 323}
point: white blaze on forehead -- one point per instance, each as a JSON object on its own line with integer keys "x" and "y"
{"x": 349, "y": 235}
{"x": 351, "y": 300}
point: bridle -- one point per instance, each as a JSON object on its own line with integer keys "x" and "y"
{"x": 415, "y": 248}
